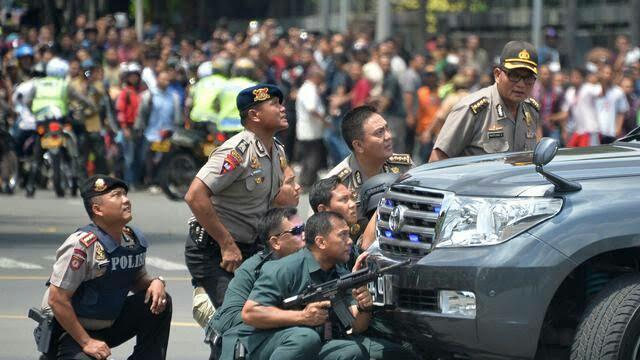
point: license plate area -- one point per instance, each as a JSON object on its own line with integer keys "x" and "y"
{"x": 381, "y": 290}
{"x": 161, "y": 146}
{"x": 50, "y": 142}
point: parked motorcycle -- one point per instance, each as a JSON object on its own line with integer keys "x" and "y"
{"x": 186, "y": 151}
{"x": 55, "y": 153}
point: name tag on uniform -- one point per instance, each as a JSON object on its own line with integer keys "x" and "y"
{"x": 496, "y": 134}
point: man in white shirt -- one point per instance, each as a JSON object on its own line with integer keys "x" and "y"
{"x": 611, "y": 106}
{"x": 579, "y": 107}
{"x": 310, "y": 125}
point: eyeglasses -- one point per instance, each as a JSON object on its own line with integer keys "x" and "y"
{"x": 514, "y": 78}
{"x": 295, "y": 231}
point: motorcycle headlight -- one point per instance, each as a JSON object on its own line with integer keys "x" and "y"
{"x": 476, "y": 221}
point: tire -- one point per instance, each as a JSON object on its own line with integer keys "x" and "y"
{"x": 57, "y": 177}
{"x": 610, "y": 327}
{"x": 176, "y": 175}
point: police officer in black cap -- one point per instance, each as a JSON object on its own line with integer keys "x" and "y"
{"x": 499, "y": 118}
{"x": 234, "y": 190}
{"x": 95, "y": 269}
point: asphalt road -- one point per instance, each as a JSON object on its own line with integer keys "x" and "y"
{"x": 32, "y": 229}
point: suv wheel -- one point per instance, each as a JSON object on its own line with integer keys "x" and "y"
{"x": 610, "y": 327}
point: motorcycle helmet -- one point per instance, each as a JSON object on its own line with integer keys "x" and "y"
{"x": 134, "y": 67}
{"x": 243, "y": 67}
{"x": 24, "y": 50}
{"x": 205, "y": 69}
{"x": 220, "y": 65}
{"x": 57, "y": 67}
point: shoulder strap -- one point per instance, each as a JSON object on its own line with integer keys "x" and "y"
{"x": 479, "y": 105}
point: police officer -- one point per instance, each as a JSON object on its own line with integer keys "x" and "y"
{"x": 369, "y": 138}
{"x": 95, "y": 269}
{"x": 242, "y": 76}
{"x": 313, "y": 332}
{"x": 204, "y": 94}
{"x": 234, "y": 189}
{"x": 498, "y": 118}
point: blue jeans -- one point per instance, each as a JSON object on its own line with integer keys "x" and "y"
{"x": 132, "y": 165}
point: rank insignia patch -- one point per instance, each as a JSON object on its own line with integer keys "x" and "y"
{"x": 100, "y": 253}
{"x": 88, "y": 239}
{"x": 76, "y": 262}
{"x": 479, "y": 105}
{"x": 99, "y": 185}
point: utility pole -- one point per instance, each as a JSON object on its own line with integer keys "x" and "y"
{"x": 139, "y": 19}
{"x": 383, "y": 20}
{"x": 634, "y": 26}
{"x": 570, "y": 30}
{"x": 422, "y": 25}
{"x": 325, "y": 15}
{"x": 536, "y": 23}
{"x": 345, "y": 7}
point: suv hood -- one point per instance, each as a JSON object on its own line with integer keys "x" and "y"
{"x": 513, "y": 173}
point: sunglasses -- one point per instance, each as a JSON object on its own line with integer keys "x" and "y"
{"x": 514, "y": 78}
{"x": 295, "y": 231}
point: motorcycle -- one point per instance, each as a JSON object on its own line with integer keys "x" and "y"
{"x": 55, "y": 153}
{"x": 186, "y": 151}
{"x": 9, "y": 164}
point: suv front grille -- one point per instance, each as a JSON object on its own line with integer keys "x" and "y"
{"x": 415, "y": 235}
{"x": 418, "y": 299}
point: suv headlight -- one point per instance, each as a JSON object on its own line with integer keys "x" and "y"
{"x": 476, "y": 221}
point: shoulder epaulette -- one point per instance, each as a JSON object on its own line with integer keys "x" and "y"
{"x": 531, "y": 101}
{"x": 88, "y": 239}
{"x": 344, "y": 173}
{"x": 401, "y": 159}
{"x": 478, "y": 105}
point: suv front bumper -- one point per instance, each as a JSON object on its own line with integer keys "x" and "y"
{"x": 513, "y": 284}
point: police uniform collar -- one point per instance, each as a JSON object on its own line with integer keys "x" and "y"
{"x": 312, "y": 263}
{"x": 109, "y": 244}
{"x": 261, "y": 149}
{"x": 497, "y": 105}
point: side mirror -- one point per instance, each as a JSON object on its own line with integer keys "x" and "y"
{"x": 545, "y": 151}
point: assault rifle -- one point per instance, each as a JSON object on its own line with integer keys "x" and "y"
{"x": 338, "y": 292}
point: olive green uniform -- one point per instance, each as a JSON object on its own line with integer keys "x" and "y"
{"x": 290, "y": 276}
{"x": 481, "y": 124}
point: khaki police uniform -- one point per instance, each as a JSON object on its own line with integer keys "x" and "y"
{"x": 350, "y": 174}
{"x": 481, "y": 124}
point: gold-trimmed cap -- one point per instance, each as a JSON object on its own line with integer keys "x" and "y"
{"x": 519, "y": 54}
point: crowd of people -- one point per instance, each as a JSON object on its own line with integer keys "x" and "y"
{"x": 141, "y": 89}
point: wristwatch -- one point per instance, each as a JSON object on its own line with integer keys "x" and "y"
{"x": 164, "y": 283}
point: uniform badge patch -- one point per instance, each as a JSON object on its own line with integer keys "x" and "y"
{"x": 259, "y": 179}
{"x": 395, "y": 170}
{"x": 229, "y": 164}
{"x": 260, "y": 147}
{"x": 357, "y": 177}
{"x": 242, "y": 147}
{"x": 99, "y": 185}
{"x": 479, "y": 105}
{"x": 500, "y": 111}
{"x": 236, "y": 155}
{"x": 261, "y": 94}
{"x": 101, "y": 255}
{"x": 344, "y": 173}
{"x": 283, "y": 162}
{"x": 496, "y": 134}
{"x": 255, "y": 163}
{"x": 76, "y": 262}
{"x": 88, "y": 239}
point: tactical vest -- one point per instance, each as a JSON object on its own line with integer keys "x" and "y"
{"x": 103, "y": 297}
{"x": 206, "y": 105}
{"x": 50, "y": 91}
{"x": 229, "y": 120}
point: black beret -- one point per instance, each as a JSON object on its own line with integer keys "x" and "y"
{"x": 99, "y": 185}
{"x": 257, "y": 94}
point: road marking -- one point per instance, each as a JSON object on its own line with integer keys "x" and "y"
{"x": 40, "y": 278}
{"x": 22, "y": 317}
{"x": 164, "y": 264}
{"x": 48, "y": 230}
{"x": 6, "y": 263}
{"x": 49, "y": 257}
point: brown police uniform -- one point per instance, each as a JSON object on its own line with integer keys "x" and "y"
{"x": 481, "y": 124}
{"x": 350, "y": 174}
{"x": 244, "y": 178}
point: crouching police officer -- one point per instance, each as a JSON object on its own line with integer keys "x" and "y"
{"x": 95, "y": 269}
